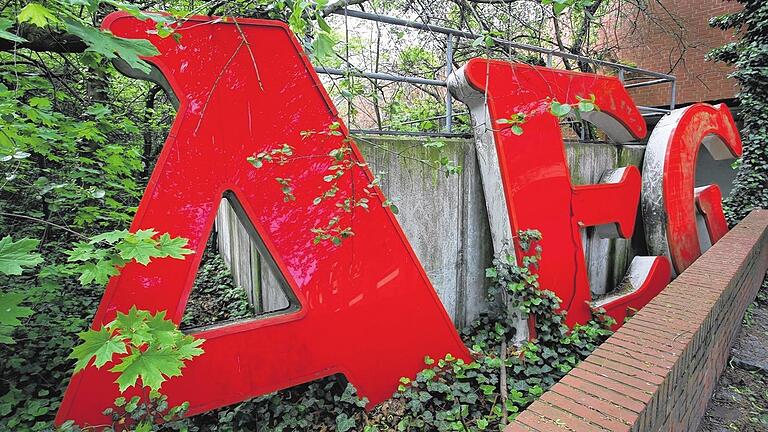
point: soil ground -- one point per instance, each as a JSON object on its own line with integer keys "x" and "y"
{"x": 740, "y": 402}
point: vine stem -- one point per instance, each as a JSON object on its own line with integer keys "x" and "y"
{"x": 43, "y": 221}
{"x": 503, "y": 373}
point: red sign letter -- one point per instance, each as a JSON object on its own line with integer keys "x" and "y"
{"x": 528, "y": 173}
{"x": 669, "y": 171}
{"x": 365, "y": 308}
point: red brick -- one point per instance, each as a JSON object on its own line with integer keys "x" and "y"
{"x": 657, "y": 371}
{"x": 607, "y": 407}
{"x": 585, "y": 412}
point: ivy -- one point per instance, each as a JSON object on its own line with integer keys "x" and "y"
{"x": 215, "y": 297}
{"x": 750, "y": 57}
{"x": 449, "y": 394}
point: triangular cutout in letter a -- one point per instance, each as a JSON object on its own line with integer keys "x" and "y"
{"x": 365, "y": 307}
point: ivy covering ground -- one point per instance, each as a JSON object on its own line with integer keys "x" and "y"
{"x": 449, "y": 394}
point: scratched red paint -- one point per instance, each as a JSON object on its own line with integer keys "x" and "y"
{"x": 685, "y": 133}
{"x": 709, "y": 201}
{"x": 367, "y": 309}
{"x": 537, "y": 183}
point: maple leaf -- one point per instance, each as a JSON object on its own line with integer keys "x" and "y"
{"x": 98, "y": 272}
{"x": 140, "y": 250}
{"x": 111, "y": 46}
{"x": 37, "y": 14}
{"x": 101, "y": 344}
{"x": 10, "y": 311}
{"x": 15, "y": 255}
{"x": 110, "y": 237}
{"x": 153, "y": 366}
{"x": 173, "y": 247}
{"x": 84, "y": 251}
{"x": 145, "y": 234}
{"x": 133, "y": 326}
{"x": 5, "y": 24}
{"x": 189, "y": 347}
{"x": 163, "y": 331}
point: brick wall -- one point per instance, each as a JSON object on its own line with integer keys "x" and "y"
{"x": 656, "y": 38}
{"x": 659, "y": 370}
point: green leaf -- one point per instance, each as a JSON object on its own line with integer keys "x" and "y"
{"x": 140, "y": 250}
{"x": 133, "y": 326}
{"x": 585, "y": 106}
{"x": 16, "y": 255}
{"x": 173, "y": 247}
{"x": 154, "y": 366}
{"x": 344, "y": 423}
{"x": 101, "y": 344}
{"x": 36, "y": 14}
{"x": 110, "y": 237}
{"x": 97, "y": 272}
{"x": 163, "y": 331}
{"x": 516, "y": 129}
{"x": 322, "y": 46}
{"x": 189, "y": 347}
{"x": 10, "y": 311}
{"x": 5, "y": 24}
{"x": 559, "y": 110}
{"x": 110, "y": 46}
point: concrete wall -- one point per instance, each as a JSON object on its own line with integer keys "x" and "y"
{"x": 446, "y": 222}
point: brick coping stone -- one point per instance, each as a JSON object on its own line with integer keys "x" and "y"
{"x": 658, "y": 371}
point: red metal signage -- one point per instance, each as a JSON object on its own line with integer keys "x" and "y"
{"x": 536, "y": 182}
{"x": 365, "y": 308}
{"x": 669, "y": 170}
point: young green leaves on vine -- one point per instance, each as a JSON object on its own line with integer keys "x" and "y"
{"x": 439, "y": 161}
{"x": 101, "y": 256}
{"x": 148, "y": 347}
{"x": 584, "y": 105}
{"x": 332, "y": 232}
{"x": 277, "y": 155}
{"x": 558, "y": 6}
{"x": 515, "y": 122}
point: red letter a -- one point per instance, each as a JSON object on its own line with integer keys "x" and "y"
{"x": 365, "y": 308}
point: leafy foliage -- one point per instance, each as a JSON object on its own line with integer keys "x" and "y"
{"x": 448, "y": 394}
{"x": 215, "y": 297}
{"x": 16, "y": 255}
{"x": 583, "y": 105}
{"x": 750, "y": 57}
{"x": 97, "y": 265}
{"x": 10, "y": 312}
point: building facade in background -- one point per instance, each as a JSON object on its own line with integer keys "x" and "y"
{"x": 674, "y": 36}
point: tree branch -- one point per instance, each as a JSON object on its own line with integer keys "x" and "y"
{"x": 339, "y": 5}
{"x": 43, "y": 40}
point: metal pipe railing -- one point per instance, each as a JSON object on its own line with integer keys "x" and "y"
{"x": 379, "y": 75}
{"x": 468, "y": 35}
{"x": 660, "y": 78}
